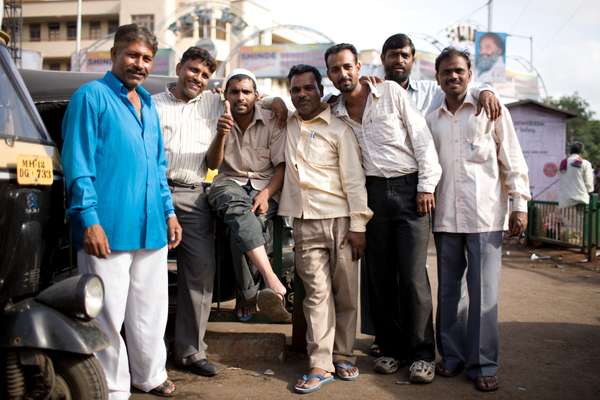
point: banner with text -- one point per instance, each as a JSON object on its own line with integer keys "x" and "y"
{"x": 275, "y": 61}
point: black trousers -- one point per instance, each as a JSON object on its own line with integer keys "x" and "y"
{"x": 399, "y": 292}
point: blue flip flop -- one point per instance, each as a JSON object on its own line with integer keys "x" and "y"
{"x": 322, "y": 381}
{"x": 345, "y": 365}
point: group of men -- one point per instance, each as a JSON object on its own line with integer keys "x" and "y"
{"x": 360, "y": 174}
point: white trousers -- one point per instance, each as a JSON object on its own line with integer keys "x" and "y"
{"x": 135, "y": 294}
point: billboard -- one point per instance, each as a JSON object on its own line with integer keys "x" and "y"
{"x": 490, "y": 56}
{"x": 275, "y": 61}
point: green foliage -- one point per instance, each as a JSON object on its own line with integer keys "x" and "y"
{"x": 582, "y": 128}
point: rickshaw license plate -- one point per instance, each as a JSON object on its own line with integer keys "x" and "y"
{"x": 34, "y": 170}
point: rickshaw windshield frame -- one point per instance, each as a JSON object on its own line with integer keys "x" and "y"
{"x": 27, "y": 104}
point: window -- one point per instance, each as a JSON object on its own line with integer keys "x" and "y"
{"x": 221, "y": 28}
{"x": 35, "y": 32}
{"x": 53, "y": 31}
{"x": 71, "y": 30}
{"x": 54, "y": 66}
{"x": 204, "y": 29}
{"x": 145, "y": 20}
{"x": 95, "y": 30}
{"x": 113, "y": 24}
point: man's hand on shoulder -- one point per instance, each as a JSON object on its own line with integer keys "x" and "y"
{"x": 174, "y": 231}
{"x": 280, "y": 111}
{"x": 358, "y": 243}
{"x": 425, "y": 203}
{"x": 517, "y": 223}
{"x": 95, "y": 242}
{"x": 490, "y": 103}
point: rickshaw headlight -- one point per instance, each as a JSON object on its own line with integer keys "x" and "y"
{"x": 81, "y": 296}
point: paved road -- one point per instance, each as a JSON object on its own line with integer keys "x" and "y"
{"x": 550, "y": 346}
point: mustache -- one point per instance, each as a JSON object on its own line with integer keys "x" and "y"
{"x": 139, "y": 71}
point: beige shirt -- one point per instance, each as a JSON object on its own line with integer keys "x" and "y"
{"x": 393, "y": 136}
{"x": 576, "y": 183}
{"x": 254, "y": 154}
{"x": 482, "y": 165}
{"x": 323, "y": 173}
{"x": 188, "y": 128}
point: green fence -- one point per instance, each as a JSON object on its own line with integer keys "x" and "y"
{"x": 577, "y": 226}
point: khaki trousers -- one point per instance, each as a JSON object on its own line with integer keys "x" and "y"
{"x": 330, "y": 279}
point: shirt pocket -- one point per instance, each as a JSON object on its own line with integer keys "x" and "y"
{"x": 260, "y": 159}
{"x": 319, "y": 151}
{"x": 481, "y": 145}
{"x": 384, "y": 128}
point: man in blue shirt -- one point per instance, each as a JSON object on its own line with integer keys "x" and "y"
{"x": 121, "y": 211}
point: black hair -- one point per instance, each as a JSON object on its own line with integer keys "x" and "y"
{"x": 576, "y": 148}
{"x": 497, "y": 39}
{"x": 198, "y": 53}
{"x": 240, "y": 77}
{"x": 450, "y": 52}
{"x": 130, "y": 33}
{"x": 397, "y": 41}
{"x": 300, "y": 69}
{"x": 340, "y": 47}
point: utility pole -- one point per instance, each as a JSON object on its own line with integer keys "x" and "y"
{"x": 78, "y": 38}
{"x": 490, "y": 14}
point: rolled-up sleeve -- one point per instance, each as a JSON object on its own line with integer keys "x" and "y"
{"x": 422, "y": 143}
{"x": 512, "y": 164}
{"x": 80, "y": 134}
{"x": 352, "y": 178}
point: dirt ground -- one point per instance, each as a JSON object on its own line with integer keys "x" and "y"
{"x": 550, "y": 344}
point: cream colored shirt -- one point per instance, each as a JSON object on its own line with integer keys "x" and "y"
{"x": 254, "y": 154}
{"x": 188, "y": 128}
{"x": 576, "y": 183}
{"x": 323, "y": 173}
{"x": 482, "y": 165}
{"x": 393, "y": 136}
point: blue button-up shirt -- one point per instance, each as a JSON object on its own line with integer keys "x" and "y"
{"x": 115, "y": 167}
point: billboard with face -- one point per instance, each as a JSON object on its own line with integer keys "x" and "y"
{"x": 490, "y": 56}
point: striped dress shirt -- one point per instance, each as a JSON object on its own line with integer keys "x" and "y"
{"x": 188, "y": 128}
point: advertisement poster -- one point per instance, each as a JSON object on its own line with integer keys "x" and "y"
{"x": 490, "y": 56}
{"x": 275, "y": 61}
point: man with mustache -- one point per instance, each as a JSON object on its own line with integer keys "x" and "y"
{"x": 483, "y": 166}
{"x": 122, "y": 213}
{"x": 324, "y": 192}
{"x": 402, "y": 169}
{"x": 490, "y": 62}
{"x": 188, "y": 118}
{"x": 249, "y": 150}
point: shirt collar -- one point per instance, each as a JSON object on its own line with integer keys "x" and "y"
{"x": 324, "y": 115}
{"x": 469, "y": 99}
{"x": 412, "y": 86}
{"x": 119, "y": 88}
{"x": 339, "y": 107}
{"x": 170, "y": 87}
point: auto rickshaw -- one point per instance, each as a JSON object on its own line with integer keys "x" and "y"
{"x": 48, "y": 336}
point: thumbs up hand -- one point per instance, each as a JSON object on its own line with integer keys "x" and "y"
{"x": 225, "y": 123}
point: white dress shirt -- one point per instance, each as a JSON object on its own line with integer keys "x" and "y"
{"x": 393, "y": 137}
{"x": 482, "y": 165}
{"x": 576, "y": 183}
{"x": 188, "y": 128}
{"x": 427, "y": 95}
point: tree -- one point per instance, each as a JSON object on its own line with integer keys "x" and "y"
{"x": 582, "y": 128}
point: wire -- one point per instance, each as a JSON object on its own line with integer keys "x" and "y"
{"x": 563, "y": 25}
{"x": 520, "y": 15}
{"x": 467, "y": 16}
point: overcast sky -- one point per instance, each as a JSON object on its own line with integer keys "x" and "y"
{"x": 566, "y": 34}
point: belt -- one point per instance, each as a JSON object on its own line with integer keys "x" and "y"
{"x": 402, "y": 178}
{"x": 186, "y": 185}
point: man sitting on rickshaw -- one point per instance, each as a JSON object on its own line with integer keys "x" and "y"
{"x": 249, "y": 151}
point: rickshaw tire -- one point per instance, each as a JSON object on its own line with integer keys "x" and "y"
{"x": 82, "y": 374}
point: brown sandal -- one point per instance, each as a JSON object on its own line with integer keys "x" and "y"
{"x": 165, "y": 389}
{"x": 448, "y": 372}
{"x": 486, "y": 383}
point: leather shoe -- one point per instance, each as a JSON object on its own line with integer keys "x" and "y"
{"x": 202, "y": 367}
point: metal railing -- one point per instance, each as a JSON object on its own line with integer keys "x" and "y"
{"x": 577, "y": 226}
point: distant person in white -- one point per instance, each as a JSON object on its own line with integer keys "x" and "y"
{"x": 576, "y": 179}
{"x": 490, "y": 62}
